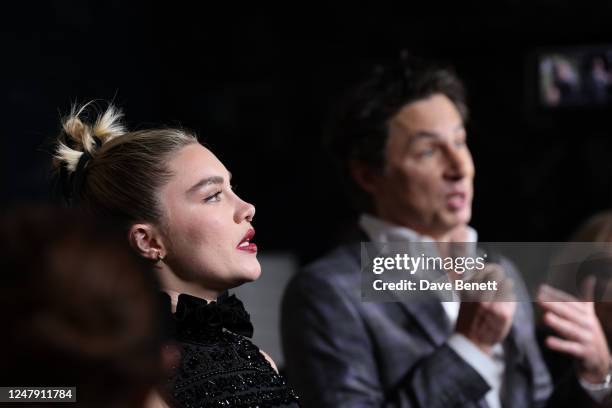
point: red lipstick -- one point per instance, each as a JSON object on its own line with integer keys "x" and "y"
{"x": 245, "y": 244}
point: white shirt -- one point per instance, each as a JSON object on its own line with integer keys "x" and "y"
{"x": 490, "y": 367}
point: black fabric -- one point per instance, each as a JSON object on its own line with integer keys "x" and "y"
{"x": 220, "y": 367}
{"x": 201, "y": 316}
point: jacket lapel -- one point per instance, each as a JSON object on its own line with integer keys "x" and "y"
{"x": 426, "y": 310}
{"x": 430, "y": 315}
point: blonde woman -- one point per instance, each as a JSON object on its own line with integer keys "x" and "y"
{"x": 174, "y": 199}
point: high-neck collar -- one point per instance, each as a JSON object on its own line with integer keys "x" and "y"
{"x": 195, "y": 316}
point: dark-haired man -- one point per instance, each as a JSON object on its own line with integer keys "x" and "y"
{"x": 402, "y": 140}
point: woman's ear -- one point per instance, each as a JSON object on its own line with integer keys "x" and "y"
{"x": 147, "y": 241}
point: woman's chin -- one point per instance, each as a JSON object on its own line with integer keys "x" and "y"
{"x": 253, "y": 274}
{"x": 250, "y": 274}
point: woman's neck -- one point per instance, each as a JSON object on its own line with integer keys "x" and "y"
{"x": 174, "y": 286}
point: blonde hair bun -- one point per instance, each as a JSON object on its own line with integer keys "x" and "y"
{"x": 79, "y": 136}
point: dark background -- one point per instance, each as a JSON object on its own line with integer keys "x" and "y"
{"x": 256, "y": 85}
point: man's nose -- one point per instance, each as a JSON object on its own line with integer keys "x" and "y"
{"x": 456, "y": 164}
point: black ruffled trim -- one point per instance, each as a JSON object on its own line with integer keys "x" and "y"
{"x": 197, "y": 316}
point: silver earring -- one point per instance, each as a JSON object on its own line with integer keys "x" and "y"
{"x": 160, "y": 258}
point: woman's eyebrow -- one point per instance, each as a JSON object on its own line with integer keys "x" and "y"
{"x": 206, "y": 181}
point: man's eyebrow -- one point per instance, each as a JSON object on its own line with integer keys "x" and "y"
{"x": 424, "y": 134}
{"x": 206, "y": 181}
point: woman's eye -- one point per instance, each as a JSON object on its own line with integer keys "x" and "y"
{"x": 213, "y": 198}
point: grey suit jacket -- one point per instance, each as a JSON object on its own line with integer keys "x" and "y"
{"x": 341, "y": 352}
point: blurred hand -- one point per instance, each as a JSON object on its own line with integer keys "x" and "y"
{"x": 579, "y": 330}
{"x": 485, "y": 318}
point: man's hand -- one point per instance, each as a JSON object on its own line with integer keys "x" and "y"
{"x": 486, "y": 318}
{"x": 579, "y": 330}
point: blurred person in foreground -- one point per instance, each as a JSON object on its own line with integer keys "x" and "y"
{"x": 402, "y": 142}
{"x": 77, "y": 309}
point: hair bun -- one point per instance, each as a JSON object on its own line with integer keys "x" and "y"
{"x": 79, "y": 137}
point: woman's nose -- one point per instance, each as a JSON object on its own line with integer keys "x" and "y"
{"x": 245, "y": 211}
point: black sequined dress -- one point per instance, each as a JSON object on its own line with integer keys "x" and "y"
{"x": 219, "y": 365}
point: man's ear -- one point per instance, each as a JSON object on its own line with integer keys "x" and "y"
{"x": 147, "y": 241}
{"x": 365, "y": 177}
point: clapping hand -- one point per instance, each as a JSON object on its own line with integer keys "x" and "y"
{"x": 485, "y": 319}
{"x": 579, "y": 332}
